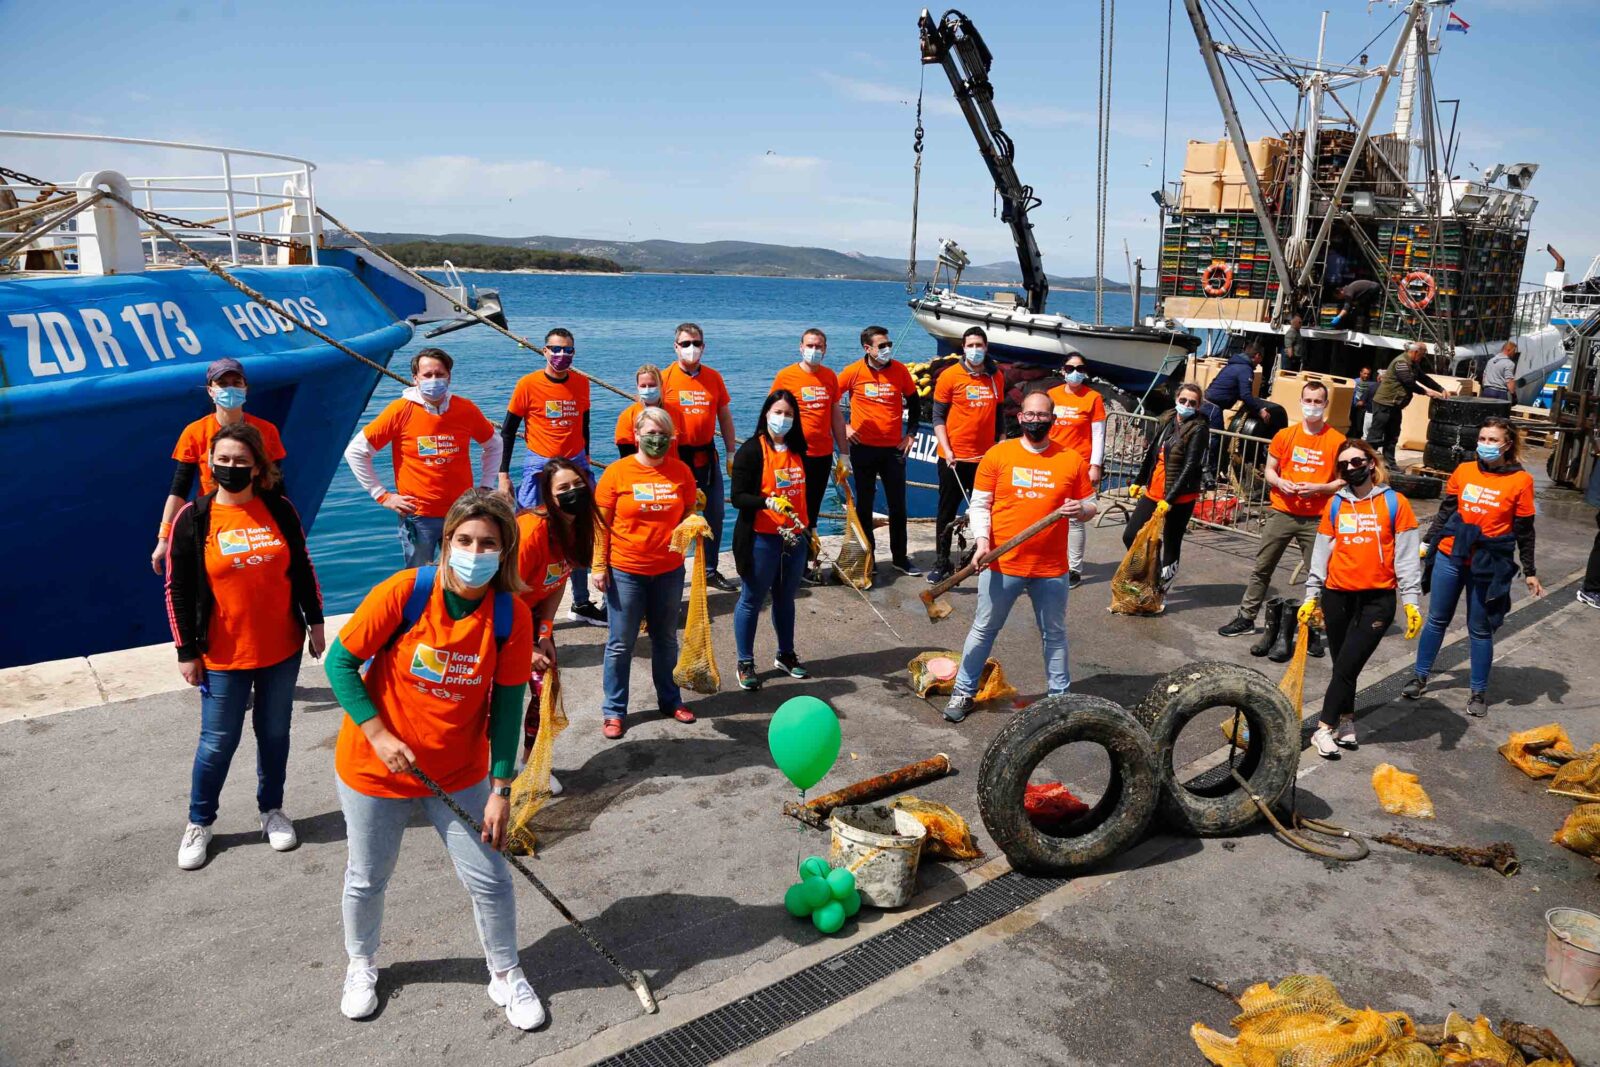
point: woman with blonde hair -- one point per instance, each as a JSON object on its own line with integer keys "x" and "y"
{"x": 647, "y": 380}
{"x": 1365, "y": 553}
{"x": 451, "y": 649}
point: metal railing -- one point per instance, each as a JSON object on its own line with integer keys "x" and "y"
{"x": 1234, "y": 499}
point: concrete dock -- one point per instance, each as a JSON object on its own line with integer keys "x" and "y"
{"x": 670, "y": 845}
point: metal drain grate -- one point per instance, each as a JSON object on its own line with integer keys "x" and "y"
{"x": 745, "y": 1021}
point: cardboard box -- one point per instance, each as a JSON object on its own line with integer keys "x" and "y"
{"x": 1226, "y": 308}
{"x": 1286, "y": 386}
{"x": 1414, "y": 418}
{"x": 1205, "y": 155}
{"x": 1202, "y": 371}
{"x": 1264, "y": 153}
{"x": 1201, "y": 191}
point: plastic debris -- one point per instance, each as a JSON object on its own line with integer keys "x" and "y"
{"x": 1049, "y": 805}
{"x": 1400, "y": 793}
{"x": 1539, "y": 752}
{"x": 948, "y": 836}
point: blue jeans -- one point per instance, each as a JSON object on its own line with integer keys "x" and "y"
{"x": 1495, "y": 393}
{"x": 373, "y": 827}
{"x": 709, "y": 480}
{"x": 222, "y": 724}
{"x": 1449, "y": 579}
{"x": 419, "y": 539}
{"x": 996, "y": 594}
{"x": 528, "y": 497}
{"x": 774, "y": 571}
{"x": 631, "y": 598}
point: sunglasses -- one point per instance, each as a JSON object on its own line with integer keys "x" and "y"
{"x": 1035, "y": 418}
{"x": 886, "y": 346}
{"x": 561, "y": 350}
{"x": 691, "y": 344}
{"x": 1354, "y": 466}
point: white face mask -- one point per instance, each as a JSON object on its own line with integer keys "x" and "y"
{"x": 1313, "y": 412}
{"x": 974, "y": 355}
{"x": 690, "y": 355}
{"x": 812, "y": 355}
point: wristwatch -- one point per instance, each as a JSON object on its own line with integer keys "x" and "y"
{"x": 501, "y": 791}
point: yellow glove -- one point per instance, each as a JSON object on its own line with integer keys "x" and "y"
{"x": 1422, "y": 551}
{"x": 699, "y": 501}
{"x": 1136, "y": 491}
{"x": 686, "y": 532}
{"x": 1308, "y": 612}
{"x": 1161, "y": 507}
{"x": 841, "y": 467}
{"x": 780, "y": 504}
{"x": 730, "y": 467}
{"x": 1413, "y": 622}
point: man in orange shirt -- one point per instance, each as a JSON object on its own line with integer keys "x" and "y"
{"x": 967, "y": 416}
{"x": 816, "y": 388}
{"x": 1302, "y": 472}
{"x": 1081, "y": 426}
{"x": 884, "y": 412}
{"x": 1017, "y": 484}
{"x": 555, "y": 403}
{"x": 698, "y": 401}
{"x": 428, "y": 430}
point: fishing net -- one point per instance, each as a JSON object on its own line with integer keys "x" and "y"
{"x": 854, "y": 562}
{"x": 1400, "y": 793}
{"x": 1136, "y": 587}
{"x": 697, "y": 661}
{"x": 1051, "y": 805}
{"x": 948, "y": 836}
{"x": 1539, "y": 752}
{"x": 1581, "y": 831}
{"x": 934, "y": 673}
{"x": 531, "y": 789}
{"x": 1581, "y": 775}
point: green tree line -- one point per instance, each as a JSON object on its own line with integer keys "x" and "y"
{"x": 495, "y": 257}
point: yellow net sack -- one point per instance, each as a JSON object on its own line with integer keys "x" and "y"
{"x": 992, "y": 684}
{"x": 1400, "y": 793}
{"x": 697, "y": 661}
{"x": 531, "y": 789}
{"x": 1302, "y": 1022}
{"x": 1582, "y": 775}
{"x": 1581, "y": 831}
{"x": 1293, "y": 686}
{"x": 1531, "y": 751}
{"x": 948, "y": 836}
{"x": 1136, "y": 586}
{"x": 855, "y": 561}
{"x": 925, "y": 679}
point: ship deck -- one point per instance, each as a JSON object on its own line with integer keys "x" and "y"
{"x": 671, "y": 845}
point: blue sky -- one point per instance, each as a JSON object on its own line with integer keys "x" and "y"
{"x": 775, "y": 122}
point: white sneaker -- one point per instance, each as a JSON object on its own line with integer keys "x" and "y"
{"x": 555, "y": 785}
{"x": 192, "y": 849}
{"x": 1344, "y": 735}
{"x": 360, "y": 988}
{"x": 1325, "y": 745}
{"x": 278, "y": 830}
{"x": 513, "y": 993}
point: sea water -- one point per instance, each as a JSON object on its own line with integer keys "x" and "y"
{"x": 752, "y": 328}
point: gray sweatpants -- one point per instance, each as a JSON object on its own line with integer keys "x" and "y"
{"x": 1280, "y": 530}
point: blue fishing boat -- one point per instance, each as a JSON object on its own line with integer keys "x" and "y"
{"x": 105, "y": 335}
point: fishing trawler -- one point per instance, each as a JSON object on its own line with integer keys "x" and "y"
{"x": 105, "y": 334}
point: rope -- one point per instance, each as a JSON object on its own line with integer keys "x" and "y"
{"x": 40, "y": 206}
{"x": 51, "y": 223}
{"x": 916, "y": 187}
{"x": 1108, "y": 15}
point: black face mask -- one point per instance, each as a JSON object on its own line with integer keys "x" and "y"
{"x": 572, "y": 500}
{"x": 1355, "y": 477}
{"x": 233, "y": 479}
{"x": 1036, "y": 431}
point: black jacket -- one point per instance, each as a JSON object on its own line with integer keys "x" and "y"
{"x": 745, "y": 495}
{"x": 1184, "y": 446}
{"x": 189, "y": 599}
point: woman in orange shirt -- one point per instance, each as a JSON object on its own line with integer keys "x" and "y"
{"x": 451, "y": 649}
{"x": 640, "y": 501}
{"x": 647, "y": 380}
{"x": 1486, "y": 515}
{"x": 1173, "y": 470}
{"x": 241, "y": 597}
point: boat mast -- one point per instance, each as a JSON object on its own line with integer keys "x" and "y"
{"x": 1315, "y": 85}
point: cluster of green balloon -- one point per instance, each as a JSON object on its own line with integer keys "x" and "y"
{"x": 804, "y": 740}
{"x": 828, "y": 895}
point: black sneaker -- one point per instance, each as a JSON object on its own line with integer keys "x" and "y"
{"x": 1239, "y": 625}
{"x": 1414, "y": 687}
{"x": 716, "y": 580}
{"x": 905, "y": 566}
{"x": 748, "y": 679}
{"x": 790, "y": 663}
{"x": 1074, "y": 579}
{"x": 1478, "y": 705}
{"x": 939, "y": 573}
{"x": 588, "y": 614}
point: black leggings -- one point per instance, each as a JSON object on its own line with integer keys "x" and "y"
{"x": 819, "y": 474}
{"x": 1357, "y": 621}
{"x": 1172, "y": 530}
{"x": 952, "y": 482}
{"x": 870, "y": 463}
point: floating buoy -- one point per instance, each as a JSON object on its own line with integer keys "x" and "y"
{"x": 1417, "y": 290}
{"x": 1216, "y": 279}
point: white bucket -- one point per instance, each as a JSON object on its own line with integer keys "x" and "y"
{"x": 880, "y": 845}
{"x": 1572, "y": 954}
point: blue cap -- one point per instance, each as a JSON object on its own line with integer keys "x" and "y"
{"x": 222, "y": 366}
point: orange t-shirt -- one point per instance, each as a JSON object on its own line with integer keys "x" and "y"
{"x": 877, "y": 401}
{"x": 782, "y": 474}
{"x": 1363, "y": 543}
{"x": 253, "y": 623}
{"x": 431, "y": 687}
{"x": 432, "y": 463}
{"x": 647, "y": 505}
{"x": 973, "y": 402}
{"x": 1305, "y": 457}
{"x": 1027, "y": 486}
{"x": 540, "y": 562}
{"x": 194, "y": 445}
{"x": 694, "y": 402}
{"x": 552, "y": 412}
{"x": 1487, "y": 500}
{"x": 817, "y": 393}
{"x": 624, "y": 432}
{"x": 1075, "y": 418}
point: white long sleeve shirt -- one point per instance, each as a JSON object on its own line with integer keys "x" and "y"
{"x": 359, "y": 453}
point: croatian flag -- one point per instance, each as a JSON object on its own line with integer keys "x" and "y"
{"x": 1455, "y": 23}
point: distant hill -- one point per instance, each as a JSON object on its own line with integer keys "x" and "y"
{"x": 482, "y": 256}
{"x": 733, "y": 257}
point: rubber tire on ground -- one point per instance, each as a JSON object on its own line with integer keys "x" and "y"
{"x": 1453, "y": 435}
{"x": 1445, "y": 457}
{"x": 1120, "y": 817}
{"x": 1467, "y": 410}
{"x": 1269, "y": 761}
{"x": 1273, "y": 418}
{"x": 1416, "y": 486}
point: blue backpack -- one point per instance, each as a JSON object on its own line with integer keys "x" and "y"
{"x": 417, "y": 603}
{"x": 1390, "y": 498}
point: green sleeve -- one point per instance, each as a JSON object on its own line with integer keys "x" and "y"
{"x": 505, "y": 729}
{"x": 344, "y": 678}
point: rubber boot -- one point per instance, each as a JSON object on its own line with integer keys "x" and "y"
{"x": 1314, "y": 643}
{"x": 1270, "y": 634}
{"x": 1288, "y": 628}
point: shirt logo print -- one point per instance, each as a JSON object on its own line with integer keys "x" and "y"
{"x": 644, "y": 492}
{"x": 978, "y": 392}
{"x": 430, "y": 664}
{"x": 1349, "y": 524}
{"x": 1305, "y": 455}
{"x": 552, "y": 409}
{"x": 233, "y": 542}
{"x": 813, "y": 394}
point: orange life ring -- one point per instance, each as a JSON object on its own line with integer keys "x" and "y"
{"x": 1410, "y": 297}
{"x": 1209, "y": 282}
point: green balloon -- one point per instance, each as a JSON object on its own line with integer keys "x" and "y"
{"x": 794, "y": 899}
{"x": 851, "y": 903}
{"x": 829, "y": 917}
{"x": 804, "y": 740}
{"x": 815, "y": 893}
{"x": 841, "y": 883}
{"x": 814, "y": 867}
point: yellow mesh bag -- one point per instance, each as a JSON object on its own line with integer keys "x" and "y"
{"x": 1302, "y": 1022}
{"x": 992, "y": 684}
{"x": 1525, "y": 749}
{"x": 923, "y": 680}
{"x": 531, "y": 789}
{"x": 697, "y": 661}
{"x": 854, "y": 562}
{"x": 1136, "y": 587}
{"x": 1400, "y": 793}
{"x": 1407, "y": 1053}
{"x": 1582, "y": 775}
{"x": 1476, "y": 1042}
{"x": 1581, "y": 831}
{"x": 1216, "y": 1048}
{"x": 1293, "y": 686}
{"x": 948, "y": 836}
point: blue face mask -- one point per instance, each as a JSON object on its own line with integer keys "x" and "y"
{"x": 1183, "y": 410}
{"x": 974, "y": 356}
{"x": 473, "y": 569}
{"x": 1076, "y": 377}
{"x": 228, "y": 397}
{"x": 650, "y": 395}
{"x": 778, "y": 425}
{"x": 434, "y": 390}
{"x": 1489, "y": 453}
